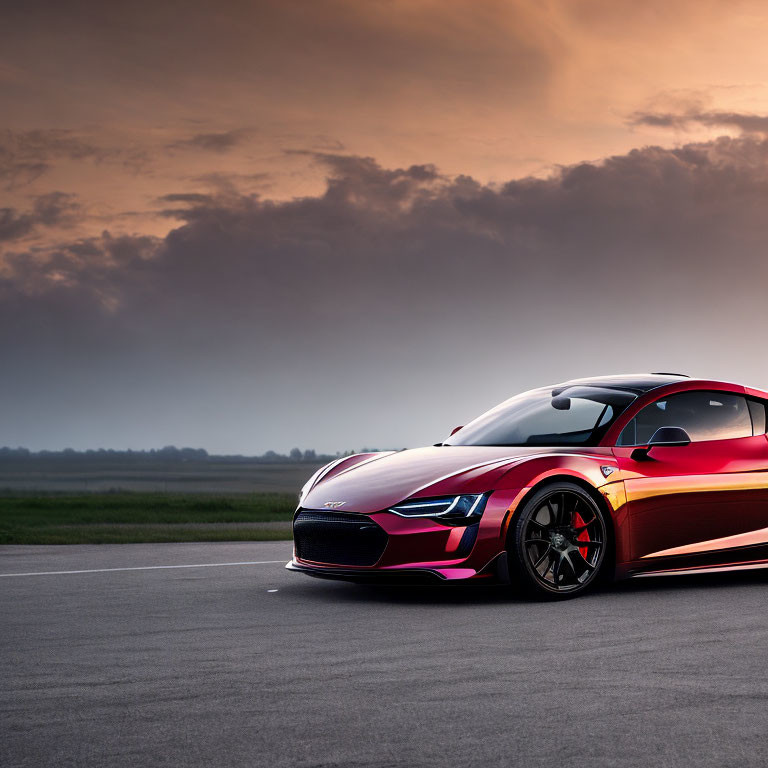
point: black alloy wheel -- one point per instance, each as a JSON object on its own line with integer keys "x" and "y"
{"x": 557, "y": 542}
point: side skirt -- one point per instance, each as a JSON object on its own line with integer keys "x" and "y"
{"x": 702, "y": 569}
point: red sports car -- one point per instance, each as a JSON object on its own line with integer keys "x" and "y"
{"x": 613, "y": 477}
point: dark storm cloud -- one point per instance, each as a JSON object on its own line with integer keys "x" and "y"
{"x": 747, "y": 123}
{"x": 27, "y": 155}
{"x": 389, "y": 276}
{"x": 222, "y": 141}
{"x": 48, "y": 143}
{"x": 403, "y": 240}
{"x": 227, "y": 183}
{"x": 16, "y": 171}
{"x": 55, "y": 209}
{"x": 79, "y": 276}
{"x": 185, "y": 198}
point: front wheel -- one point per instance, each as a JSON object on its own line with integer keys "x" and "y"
{"x": 557, "y": 542}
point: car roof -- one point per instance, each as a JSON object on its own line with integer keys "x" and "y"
{"x": 636, "y": 383}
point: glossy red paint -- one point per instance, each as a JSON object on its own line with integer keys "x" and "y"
{"x": 686, "y": 508}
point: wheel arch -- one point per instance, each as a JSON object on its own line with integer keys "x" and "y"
{"x": 590, "y": 490}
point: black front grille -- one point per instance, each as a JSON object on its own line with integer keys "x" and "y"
{"x": 337, "y": 538}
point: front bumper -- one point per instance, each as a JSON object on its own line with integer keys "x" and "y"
{"x": 417, "y": 549}
{"x": 372, "y": 575}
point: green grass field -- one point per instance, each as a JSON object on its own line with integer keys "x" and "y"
{"x": 115, "y": 518}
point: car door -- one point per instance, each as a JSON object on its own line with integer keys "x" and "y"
{"x": 696, "y": 503}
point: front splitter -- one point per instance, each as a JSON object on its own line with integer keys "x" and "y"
{"x": 398, "y": 575}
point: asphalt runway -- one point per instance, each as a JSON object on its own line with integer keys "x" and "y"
{"x": 210, "y": 666}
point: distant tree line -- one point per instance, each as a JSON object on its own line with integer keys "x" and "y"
{"x": 169, "y": 453}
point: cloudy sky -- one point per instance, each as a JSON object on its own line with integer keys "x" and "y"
{"x": 334, "y": 223}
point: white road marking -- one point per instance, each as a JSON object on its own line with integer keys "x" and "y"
{"x": 143, "y": 568}
{"x": 271, "y": 590}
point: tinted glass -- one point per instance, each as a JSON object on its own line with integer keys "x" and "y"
{"x": 757, "y": 412}
{"x": 575, "y": 416}
{"x": 703, "y": 415}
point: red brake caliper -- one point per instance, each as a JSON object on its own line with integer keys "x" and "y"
{"x": 578, "y": 521}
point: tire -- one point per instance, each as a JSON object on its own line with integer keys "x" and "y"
{"x": 557, "y": 543}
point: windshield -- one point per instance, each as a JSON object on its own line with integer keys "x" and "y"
{"x": 562, "y": 416}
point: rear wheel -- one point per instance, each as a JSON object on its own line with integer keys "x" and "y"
{"x": 557, "y": 542}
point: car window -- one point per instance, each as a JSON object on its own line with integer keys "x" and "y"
{"x": 573, "y": 415}
{"x": 703, "y": 415}
{"x": 757, "y": 412}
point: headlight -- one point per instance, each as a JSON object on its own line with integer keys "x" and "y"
{"x": 453, "y": 510}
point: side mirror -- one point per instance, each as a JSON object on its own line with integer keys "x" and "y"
{"x": 663, "y": 437}
{"x": 456, "y": 429}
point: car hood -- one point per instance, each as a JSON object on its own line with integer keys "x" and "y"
{"x": 378, "y": 482}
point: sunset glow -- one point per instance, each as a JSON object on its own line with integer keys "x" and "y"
{"x": 204, "y": 205}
